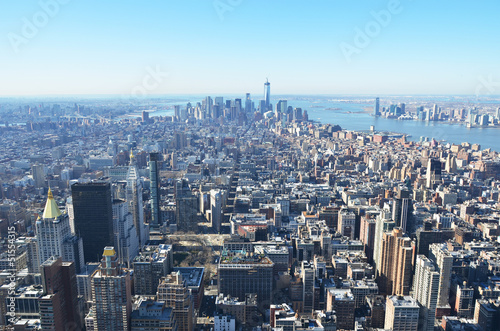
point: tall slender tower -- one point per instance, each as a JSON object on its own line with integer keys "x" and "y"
{"x": 376, "y": 108}
{"x": 154, "y": 176}
{"x": 111, "y": 295}
{"x": 267, "y": 95}
{"x": 134, "y": 198}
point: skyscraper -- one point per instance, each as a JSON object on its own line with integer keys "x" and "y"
{"x": 433, "y": 175}
{"x": 111, "y": 295}
{"x": 154, "y": 176}
{"x": 92, "y": 206}
{"x": 38, "y": 175}
{"x": 54, "y": 236}
{"x": 248, "y": 103}
{"x": 134, "y": 199}
{"x": 125, "y": 234}
{"x": 267, "y": 95}
{"x": 400, "y": 209}
{"x": 186, "y": 207}
{"x": 216, "y": 209}
{"x": 444, "y": 261}
{"x": 307, "y": 275}
{"x": 396, "y": 263}
{"x": 376, "y": 108}
{"x": 425, "y": 291}
{"x": 59, "y": 304}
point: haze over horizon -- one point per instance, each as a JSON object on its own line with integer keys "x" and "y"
{"x": 55, "y": 47}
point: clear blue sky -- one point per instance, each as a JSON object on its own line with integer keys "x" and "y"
{"x": 105, "y": 46}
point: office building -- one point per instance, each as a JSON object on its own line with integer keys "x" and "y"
{"x": 186, "y": 207}
{"x": 173, "y": 291}
{"x": 248, "y": 103}
{"x": 124, "y": 232}
{"x": 150, "y": 266}
{"x": 402, "y": 313}
{"x": 216, "y": 209}
{"x": 308, "y": 278}
{"x": 111, "y": 295}
{"x": 376, "y": 108}
{"x": 38, "y": 173}
{"x": 444, "y": 261}
{"x": 54, "y": 236}
{"x": 425, "y": 291}
{"x": 267, "y": 95}
{"x": 401, "y": 209}
{"x": 433, "y": 175}
{"x": 347, "y": 223}
{"x": 134, "y": 199}
{"x": 59, "y": 309}
{"x": 93, "y": 209}
{"x": 239, "y": 275}
{"x": 154, "y": 177}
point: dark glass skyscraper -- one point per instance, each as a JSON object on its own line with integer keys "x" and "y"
{"x": 376, "y": 108}
{"x": 154, "y": 176}
{"x": 267, "y": 95}
{"x": 92, "y": 206}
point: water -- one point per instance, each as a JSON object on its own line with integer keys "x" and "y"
{"x": 351, "y": 115}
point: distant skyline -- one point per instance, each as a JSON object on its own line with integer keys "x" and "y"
{"x": 331, "y": 47}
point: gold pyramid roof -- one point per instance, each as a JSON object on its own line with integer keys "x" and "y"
{"x": 51, "y": 209}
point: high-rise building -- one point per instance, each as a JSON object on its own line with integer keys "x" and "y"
{"x": 401, "y": 208}
{"x": 186, "y": 207}
{"x": 376, "y": 108}
{"x": 383, "y": 223}
{"x": 154, "y": 177}
{"x": 150, "y": 266}
{"x": 173, "y": 291}
{"x": 307, "y": 275}
{"x": 425, "y": 291}
{"x": 239, "y": 275}
{"x": 267, "y": 95}
{"x": 433, "y": 175}
{"x": 444, "y": 261}
{"x": 59, "y": 304}
{"x": 401, "y": 313}
{"x": 216, "y": 209}
{"x": 111, "y": 295}
{"x": 93, "y": 209}
{"x": 38, "y": 175}
{"x": 124, "y": 232}
{"x": 347, "y": 223}
{"x": 134, "y": 199}
{"x": 248, "y": 103}
{"x": 396, "y": 263}
{"x": 54, "y": 236}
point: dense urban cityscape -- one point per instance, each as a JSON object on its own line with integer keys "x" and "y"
{"x": 233, "y": 214}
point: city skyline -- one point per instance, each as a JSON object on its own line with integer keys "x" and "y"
{"x": 327, "y": 48}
